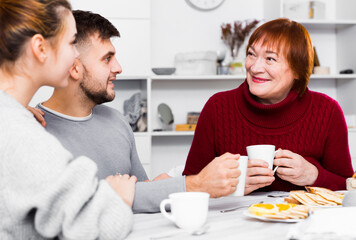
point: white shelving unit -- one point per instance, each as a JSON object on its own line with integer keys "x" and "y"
{"x": 162, "y": 150}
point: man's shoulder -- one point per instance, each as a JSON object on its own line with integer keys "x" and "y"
{"x": 103, "y": 109}
{"x": 108, "y": 112}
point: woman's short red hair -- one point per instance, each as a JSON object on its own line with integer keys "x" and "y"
{"x": 294, "y": 41}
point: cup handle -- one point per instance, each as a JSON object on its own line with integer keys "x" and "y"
{"x": 276, "y": 152}
{"x": 275, "y": 169}
{"x": 163, "y": 209}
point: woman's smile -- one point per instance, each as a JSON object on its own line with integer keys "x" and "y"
{"x": 259, "y": 80}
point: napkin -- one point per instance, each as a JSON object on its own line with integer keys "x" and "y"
{"x": 327, "y": 223}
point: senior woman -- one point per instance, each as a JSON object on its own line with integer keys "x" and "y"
{"x": 274, "y": 106}
{"x": 44, "y": 192}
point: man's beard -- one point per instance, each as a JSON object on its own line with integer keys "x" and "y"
{"x": 88, "y": 86}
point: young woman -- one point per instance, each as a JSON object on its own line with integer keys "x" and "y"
{"x": 274, "y": 106}
{"x": 44, "y": 192}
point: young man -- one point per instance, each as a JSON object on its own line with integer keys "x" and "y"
{"x": 85, "y": 127}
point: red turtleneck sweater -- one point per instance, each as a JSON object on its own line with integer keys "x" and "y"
{"x": 312, "y": 126}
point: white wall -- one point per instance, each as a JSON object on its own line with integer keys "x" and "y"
{"x": 132, "y": 19}
{"x": 177, "y": 27}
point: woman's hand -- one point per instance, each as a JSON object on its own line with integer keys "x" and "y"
{"x": 38, "y": 114}
{"x": 124, "y": 185}
{"x": 258, "y": 175}
{"x": 294, "y": 168}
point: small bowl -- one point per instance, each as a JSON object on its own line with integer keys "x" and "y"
{"x": 163, "y": 71}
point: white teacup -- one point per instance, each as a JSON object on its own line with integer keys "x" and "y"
{"x": 240, "y": 188}
{"x": 189, "y": 210}
{"x": 263, "y": 152}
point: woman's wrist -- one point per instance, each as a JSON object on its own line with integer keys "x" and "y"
{"x": 314, "y": 173}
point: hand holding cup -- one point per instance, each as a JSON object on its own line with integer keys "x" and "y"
{"x": 259, "y": 170}
{"x": 240, "y": 188}
{"x": 295, "y": 169}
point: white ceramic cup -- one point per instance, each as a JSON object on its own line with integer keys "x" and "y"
{"x": 263, "y": 152}
{"x": 189, "y": 210}
{"x": 240, "y": 188}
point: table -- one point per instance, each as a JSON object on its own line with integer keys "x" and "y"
{"x": 229, "y": 225}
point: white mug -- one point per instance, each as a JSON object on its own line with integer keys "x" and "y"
{"x": 189, "y": 210}
{"x": 263, "y": 152}
{"x": 240, "y": 188}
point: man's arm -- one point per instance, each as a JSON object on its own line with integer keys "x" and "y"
{"x": 219, "y": 178}
{"x": 148, "y": 195}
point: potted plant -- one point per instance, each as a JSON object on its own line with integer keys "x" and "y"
{"x": 234, "y": 37}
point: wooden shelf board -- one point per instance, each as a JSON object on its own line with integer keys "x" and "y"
{"x": 172, "y": 133}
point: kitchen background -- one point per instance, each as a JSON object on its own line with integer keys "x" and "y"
{"x": 154, "y": 31}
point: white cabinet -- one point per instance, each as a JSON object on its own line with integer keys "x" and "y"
{"x": 143, "y": 143}
{"x": 335, "y": 10}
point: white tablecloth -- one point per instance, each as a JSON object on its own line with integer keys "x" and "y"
{"x": 229, "y": 225}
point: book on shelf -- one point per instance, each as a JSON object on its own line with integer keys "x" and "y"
{"x": 185, "y": 127}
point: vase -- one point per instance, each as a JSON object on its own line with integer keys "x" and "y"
{"x": 237, "y": 66}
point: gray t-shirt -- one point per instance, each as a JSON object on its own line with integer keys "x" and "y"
{"x": 106, "y": 137}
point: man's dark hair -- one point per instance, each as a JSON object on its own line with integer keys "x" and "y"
{"x": 89, "y": 23}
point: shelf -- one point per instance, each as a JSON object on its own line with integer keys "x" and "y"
{"x": 190, "y": 133}
{"x": 333, "y": 76}
{"x": 242, "y": 77}
{"x": 326, "y": 24}
{"x": 125, "y": 78}
{"x": 172, "y": 133}
{"x": 200, "y": 77}
{"x": 225, "y": 77}
{"x": 141, "y": 134}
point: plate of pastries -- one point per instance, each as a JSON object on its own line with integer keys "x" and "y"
{"x": 297, "y": 206}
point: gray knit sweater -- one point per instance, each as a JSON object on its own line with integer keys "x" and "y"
{"x": 44, "y": 192}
